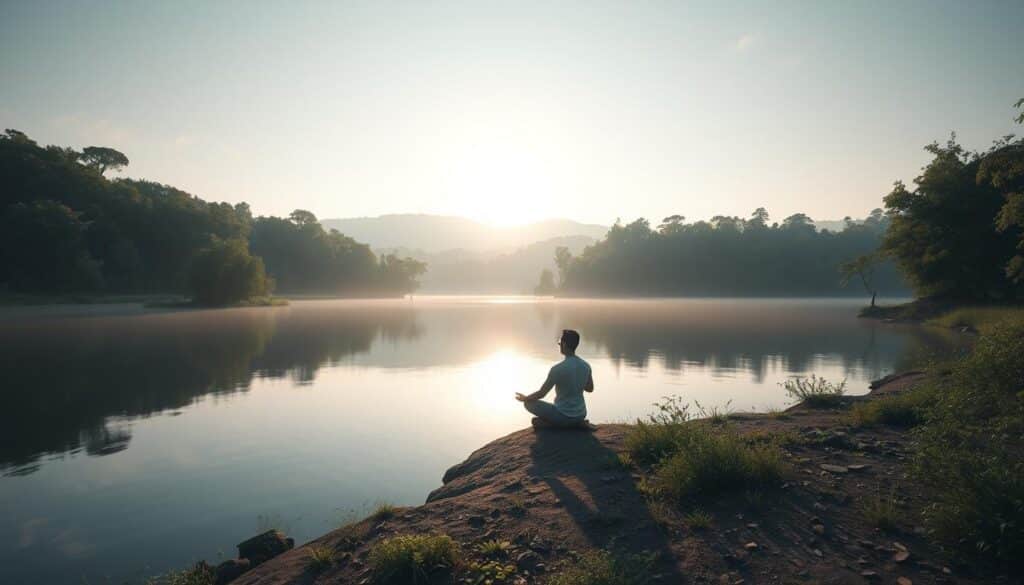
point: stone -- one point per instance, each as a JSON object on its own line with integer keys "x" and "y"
{"x": 263, "y": 547}
{"x": 840, "y": 469}
{"x": 528, "y": 560}
{"x": 869, "y": 574}
{"x": 903, "y": 581}
{"x": 901, "y": 556}
{"x": 750, "y": 545}
{"x": 858, "y": 466}
{"x": 818, "y": 528}
{"x": 230, "y": 570}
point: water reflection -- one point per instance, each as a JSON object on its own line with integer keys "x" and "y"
{"x": 73, "y": 382}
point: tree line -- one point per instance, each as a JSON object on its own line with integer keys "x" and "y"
{"x": 957, "y": 235}
{"x": 64, "y": 227}
{"x": 725, "y": 256}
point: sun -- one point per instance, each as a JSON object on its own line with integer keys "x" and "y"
{"x": 502, "y": 185}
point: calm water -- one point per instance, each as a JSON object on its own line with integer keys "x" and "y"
{"x": 135, "y": 441}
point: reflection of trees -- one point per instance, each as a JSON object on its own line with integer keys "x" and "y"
{"x": 65, "y": 378}
{"x": 758, "y": 337}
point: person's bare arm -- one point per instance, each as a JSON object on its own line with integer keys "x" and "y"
{"x": 589, "y": 386}
{"x": 541, "y": 393}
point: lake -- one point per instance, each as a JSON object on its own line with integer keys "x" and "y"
{"x": 139, "y": 440}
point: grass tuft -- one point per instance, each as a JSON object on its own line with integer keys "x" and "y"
{"x": 698, "y": 520}
{"x": 384, "y": 511}
{"x": 320, "y": 557}
{"x": 410, "y": 559}
{"x": 882, "y": 511}
{"x": 905, "y": 410}
{"x": 978, "y": 318}
{"x": 815, "y": 392}
{"x": 198, "y": 574}
{"x": 605, "y": 568}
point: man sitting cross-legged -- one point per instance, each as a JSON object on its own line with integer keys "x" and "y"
{"x": 570, "y": 378}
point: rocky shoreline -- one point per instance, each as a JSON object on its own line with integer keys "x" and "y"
{"x": 554, "y": 495}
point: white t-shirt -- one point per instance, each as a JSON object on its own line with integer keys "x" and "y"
{"x": 569, "y": 377}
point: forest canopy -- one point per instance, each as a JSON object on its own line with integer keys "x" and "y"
{"x": 64, "y": 227}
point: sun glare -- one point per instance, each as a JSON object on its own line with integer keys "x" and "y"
{"x": 502, "y": 184}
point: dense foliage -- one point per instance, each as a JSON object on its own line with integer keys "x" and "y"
{"x": 957, "y": 234}
{"x": 226, "y": 273}
{"x": 66, "y": 228}
{"x": 726, "y": 256}
{"x": 971, "y": 446}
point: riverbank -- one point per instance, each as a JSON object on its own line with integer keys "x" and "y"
{"x": 535, "y": 506}
{"x": 946, "y": 314}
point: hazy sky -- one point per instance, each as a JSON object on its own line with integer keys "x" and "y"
{"x": 516, "y": 111}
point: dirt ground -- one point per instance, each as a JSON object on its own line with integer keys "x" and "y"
{"x": 554, "y": 494}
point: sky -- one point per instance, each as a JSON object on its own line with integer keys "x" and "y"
{"x": 510, "y": 112}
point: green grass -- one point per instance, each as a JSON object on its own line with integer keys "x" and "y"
{"x": 494, "y": 548}
{"x": 198, "y": 574}
{"x": 605, "y": 568}
{"x": 815, "y": 392}
{"x": 717, "y": 415}
{"x": 320, "y": 557}
{"x": 905, "y": 410}
{"x": 882, "y": 511}
{"x": 698, "y": 520}
{"x": 384, "y": 511}
{"x": 979, "y": 318}
{"x": 410, "y": 559}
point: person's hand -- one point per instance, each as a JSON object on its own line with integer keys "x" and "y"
{"x": 520, "y": 397}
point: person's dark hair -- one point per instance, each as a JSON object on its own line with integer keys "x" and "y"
{"x": 571, "y": 338}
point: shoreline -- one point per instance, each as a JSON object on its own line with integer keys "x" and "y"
{"x": 551, "y": 496}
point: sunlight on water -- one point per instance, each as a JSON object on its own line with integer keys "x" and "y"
{"x": 163, "y": 437}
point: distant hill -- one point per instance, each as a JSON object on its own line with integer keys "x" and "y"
{"x": 438, "y": 233}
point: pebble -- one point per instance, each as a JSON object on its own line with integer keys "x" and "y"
{"x": 904, "y": 581}
{"x": 750, "y": 545}
{"x": 840, "y": 469}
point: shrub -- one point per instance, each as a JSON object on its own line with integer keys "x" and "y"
{"x": 661, "y": 435}
{"x": 970, "y": 450}
{"x": 225, "y": 273}
{"x": 410, "y": 559}
{"x": 712, "y": 462}
{"x": 906, "y": 409}
{"x": 490, "y": 572}
{"x": 384, "y": 511}
{"x": 815, "y": 392}
{"x": 698, "y": 520}
{"x": 605, "y": 568}
{"x": 320, "y": 557}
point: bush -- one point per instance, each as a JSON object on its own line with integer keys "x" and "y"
{"x": 225, "y": 273}
{"x": 815, "y": 392}
{"x": 906, "y": 409}
{"x": 970, "y": 451}
{"x": 713, "y": 462}
{"x": 604, "y": 568}
{"x": 410, "y": 559}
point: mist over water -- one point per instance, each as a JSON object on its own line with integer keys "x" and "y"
{"x": 136, "y": 441}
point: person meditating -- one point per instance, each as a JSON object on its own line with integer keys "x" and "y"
{"x": 570, "y": 378}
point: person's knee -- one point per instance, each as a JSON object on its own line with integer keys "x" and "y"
{"x": 530, "y": 406}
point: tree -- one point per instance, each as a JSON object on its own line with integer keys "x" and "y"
{"x": 546, "y": 286}
{"x": 103, "y": 159}
{"x": 225, "y": 273}
{"x": 863, "y": 267}
{"x": 42, "y": 249}
{"x": 303, "y": 218}
{"x": 563, "y": 259}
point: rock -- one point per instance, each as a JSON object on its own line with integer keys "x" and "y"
{"x": 833, "y": 468}
{"x": 263, "y": 547}
{"x": 750, "y": 545}
{"x": 858, "y": 466}
{"x": 231, "y": 570}
{"x": 903, "y": 581}
{"x": 901, "y": 556}
{"x": 818, "y": 528}
{"x": 528, "y": 560}
{"x": 869, "y": 574}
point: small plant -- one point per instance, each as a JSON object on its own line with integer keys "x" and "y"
{"x": 490, "y": 573}
{"x": 352, "y": 535}
{"x": 815, "y": 392}
{"x": 778, "y": 413}
{"x": 605, "y": 568}
{"x": 198, "y": 574}
{"x": 698, "y": 520}
{"x": 898, "y": 410}
{"x": 714, "y": 462}
{"x": 882, "y": 512}
{"x": 717, "y": 415}
{"x": 320, "y": 557}
{"x": 384, "y": 511}
{"x": 410, "y": 559}
{"x": 516, "y": 506}
{"x": 494, "y": 548}
{"x": 661, "y": 435}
